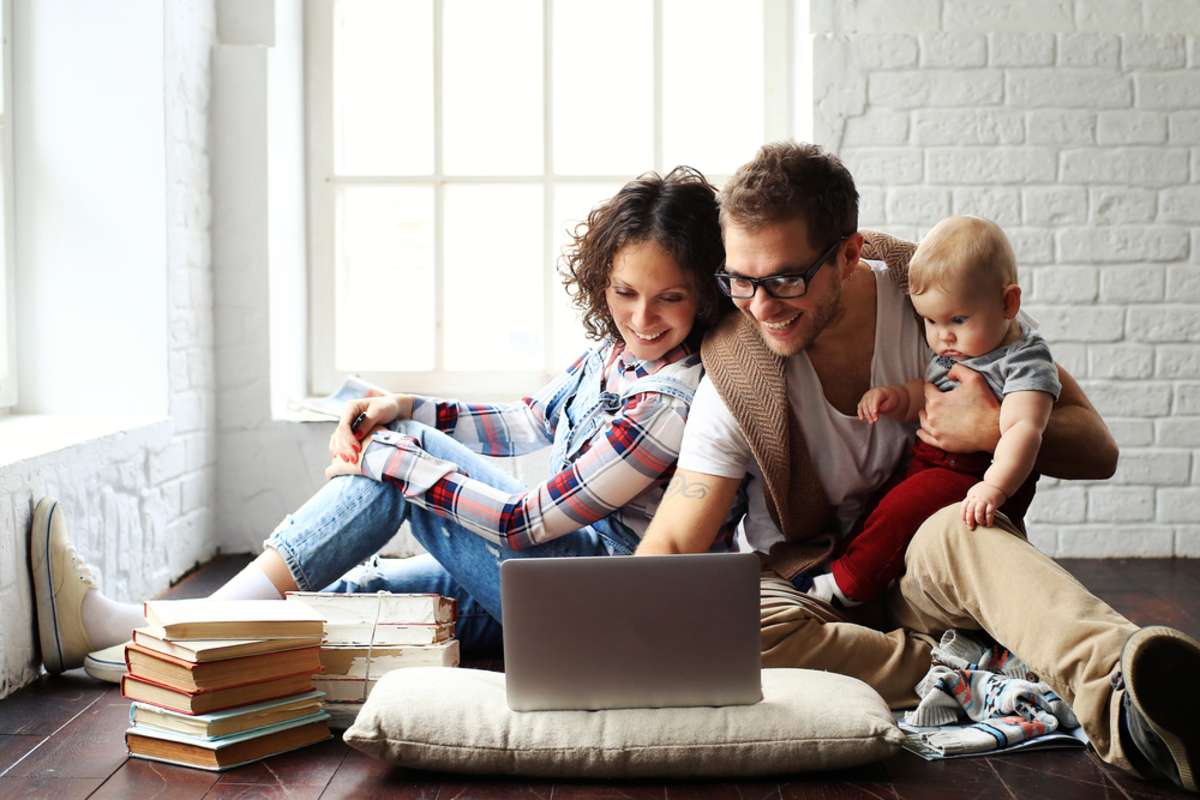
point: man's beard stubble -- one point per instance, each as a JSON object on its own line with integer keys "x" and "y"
{"x": 812, "y": 323}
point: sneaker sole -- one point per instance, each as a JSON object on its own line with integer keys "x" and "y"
{"x": 43, "y": 581}
{"x": 1168, "y": 712}
{"x": 103, "y": 669}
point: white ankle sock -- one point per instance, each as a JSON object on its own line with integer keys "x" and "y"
{"x": 249, "y": 584}
{"x": 108, "y": 622}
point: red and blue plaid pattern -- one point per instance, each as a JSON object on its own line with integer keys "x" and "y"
{"x": 622, "y": 471}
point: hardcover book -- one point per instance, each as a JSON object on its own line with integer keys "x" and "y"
{"x": 219, "y": 724}
{"x": 205, "y": 618}
{"x": 352, "y": 661}
{"x": 191, "y": 677}
{"x": 202, "y": 651}
{"x": 229, "y": 752}
{"x": 380, "y": 608}
{"x": 201, "y": 702}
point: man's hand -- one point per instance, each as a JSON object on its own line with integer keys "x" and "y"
{"x": 886, "y": 400}
{"x": 965, "y": 420}
{"x": 980, "y": 505}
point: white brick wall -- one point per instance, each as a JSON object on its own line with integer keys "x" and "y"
{"x": 1076, "y": 125}
{"x": 139, "y": 504}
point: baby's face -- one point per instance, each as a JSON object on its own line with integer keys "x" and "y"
{"x": 960, "y": 327}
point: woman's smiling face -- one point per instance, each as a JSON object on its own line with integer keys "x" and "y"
{"x": 651, "y": 299}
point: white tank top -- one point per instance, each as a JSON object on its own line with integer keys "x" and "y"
{"x": 852, "y": 458}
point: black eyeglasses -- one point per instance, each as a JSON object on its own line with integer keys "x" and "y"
{"x": 784, "y": 286}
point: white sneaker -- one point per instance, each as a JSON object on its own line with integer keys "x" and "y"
{"x": 107, "y": 664}
{"x": 61, "y": 579}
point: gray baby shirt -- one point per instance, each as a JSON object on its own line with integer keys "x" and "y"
{"x": 1024, "y": 365}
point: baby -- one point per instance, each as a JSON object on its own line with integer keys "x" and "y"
{"x": 963, "y": 283}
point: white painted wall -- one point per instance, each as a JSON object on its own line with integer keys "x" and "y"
{"x": 1076, "y": 126}
{"x": 114, "y": 270}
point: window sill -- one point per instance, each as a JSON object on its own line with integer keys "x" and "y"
{"x": 28, "y": 436}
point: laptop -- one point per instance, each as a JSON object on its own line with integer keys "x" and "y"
{"x": 631, "y": 632}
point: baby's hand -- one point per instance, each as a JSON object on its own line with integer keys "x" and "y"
{"x": 981, "y": 504}
{"x": 880, "y": 400}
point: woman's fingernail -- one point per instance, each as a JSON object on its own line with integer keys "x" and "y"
{"x": 357, "y": 447}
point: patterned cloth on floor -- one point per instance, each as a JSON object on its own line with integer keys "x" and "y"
{"x": 990, "y": 686}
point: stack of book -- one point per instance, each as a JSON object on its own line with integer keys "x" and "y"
{"x": 217, "y": 684}
{"x": 368, "y": 635}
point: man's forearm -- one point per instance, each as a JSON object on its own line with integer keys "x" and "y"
{"x": 690, "y": 515}
{"x": 1077, "y": 445}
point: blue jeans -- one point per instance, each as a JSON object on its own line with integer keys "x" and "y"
{"x": 352, "y": 517}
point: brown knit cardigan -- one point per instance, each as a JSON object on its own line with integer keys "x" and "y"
{"x": 752, "y": 382}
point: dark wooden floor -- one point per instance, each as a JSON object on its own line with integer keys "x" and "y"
{"x": 61, "y": 738}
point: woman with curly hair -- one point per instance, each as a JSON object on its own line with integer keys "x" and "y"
{"x": 641, "y": 271}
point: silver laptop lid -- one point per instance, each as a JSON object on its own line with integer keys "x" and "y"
{"x": 631, "y": 632}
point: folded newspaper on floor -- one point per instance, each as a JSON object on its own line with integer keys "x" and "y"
{"x": 980, "y": 699}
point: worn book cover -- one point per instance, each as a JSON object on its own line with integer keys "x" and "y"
{"x": 205, "y": 618}
{"x": 190, "y": 676}
{"x": 341, "y": 689}
{"x": 200, "y": 702}
{"x": 352, "y": 661}
{"x": 380, "y": 608}
{"x": 201, "y": 651}
{"x": 232, "y": 751}
{"x": 219, "y": 724}
{"x": 387, "y": 633}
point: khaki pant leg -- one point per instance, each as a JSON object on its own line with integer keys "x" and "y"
{"x": 799, "y": 631}
{"x": 992, "y": 578}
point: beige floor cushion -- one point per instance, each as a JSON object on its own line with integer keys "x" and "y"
{"x": 457, "y": 720}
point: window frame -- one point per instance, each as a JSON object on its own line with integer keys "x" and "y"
{"x": 323, "y": 183}
{"x": 8, "y": 378}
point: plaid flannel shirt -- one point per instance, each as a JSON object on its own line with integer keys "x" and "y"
{"x": 622, "y": 471}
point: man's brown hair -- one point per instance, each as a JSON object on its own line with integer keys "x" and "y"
{"x": 789, "y": 180}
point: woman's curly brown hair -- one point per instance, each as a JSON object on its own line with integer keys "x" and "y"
{"x": 679, "y": 212}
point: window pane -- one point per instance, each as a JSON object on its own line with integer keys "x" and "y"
{"x": 492, "y": 87}
{"x": 712, "y": 83}
{"x": 383, "y": 87}
{"x": 384, "y": 279}
{"x": 603, "y": 87}
{"x": 494, "y": 277}
{"x": 571, "y": 206}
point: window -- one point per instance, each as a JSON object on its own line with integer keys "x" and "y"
{"x": 452, "y": 143}
{"x": 8, "y": 350}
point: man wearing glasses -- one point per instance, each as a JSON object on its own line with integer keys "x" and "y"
{"x": 823, "y": 317}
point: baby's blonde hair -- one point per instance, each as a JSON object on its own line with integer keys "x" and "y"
{"x": 963, "y": 255}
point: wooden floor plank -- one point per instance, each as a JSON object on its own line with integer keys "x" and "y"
{"x": 154, "y": 781}
{"x": 310, "y": 766}
{"x": 90, "y": 746}
{"x": 14, "y": 747}
{"x": 48, "y": 788}
{"x": 48, "y": 703}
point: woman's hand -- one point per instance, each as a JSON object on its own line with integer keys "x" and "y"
{"x": 376, "y": 412}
